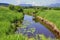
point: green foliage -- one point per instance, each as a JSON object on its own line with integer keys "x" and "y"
{"x": 29, "y": 11}
{"x": 13, "y": 37}
{"x": 11, "y": 7}
{"x": 6, "y": 17}
{"x": 16, "y": 8}
{"x": 22, "y": 37}
{"x": 56, "y": 8}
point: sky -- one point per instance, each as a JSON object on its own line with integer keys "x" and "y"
{"x": 33, "y": 2}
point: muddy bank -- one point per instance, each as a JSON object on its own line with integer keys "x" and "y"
{"x": 52, "y": 27}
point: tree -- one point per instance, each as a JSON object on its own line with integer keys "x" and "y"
{"x": 11, "y": 7}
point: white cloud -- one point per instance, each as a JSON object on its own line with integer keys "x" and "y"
{"x": 35, "y": 2}
{"x": 17, "y": 2}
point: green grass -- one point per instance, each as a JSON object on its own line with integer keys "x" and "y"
{"x": 22, "y": 37}
{"x": 6, "y": 14}
{"x": 13, "y": 37}
{"x": 51, "y": 15}
{"x": 29, "y": 11}
{"x": 6, "y": 30}
{"x": 6, "y": 17}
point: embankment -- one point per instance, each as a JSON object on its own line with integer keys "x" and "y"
{"x": 52, "y": 27}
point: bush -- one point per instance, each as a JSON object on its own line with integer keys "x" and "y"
{"x": 11, "y": 7}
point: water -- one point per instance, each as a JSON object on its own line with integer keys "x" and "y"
{"x": 31, "y": 28}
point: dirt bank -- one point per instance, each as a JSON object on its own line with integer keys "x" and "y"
{"x": 52, "y": 27}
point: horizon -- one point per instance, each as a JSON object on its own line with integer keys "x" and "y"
{"x": 33, "y": 2}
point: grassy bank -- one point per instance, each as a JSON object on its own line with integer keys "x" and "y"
{"x": 51, "y": 15}
{"x": 6, "y": 18}
{"x": 29, "y": 11}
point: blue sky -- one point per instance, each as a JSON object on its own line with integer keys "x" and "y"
{"x": 33, "y": 2}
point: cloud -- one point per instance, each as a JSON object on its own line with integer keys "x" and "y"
{"x": 33, "y": 2}
{"x": 17, "y": 2}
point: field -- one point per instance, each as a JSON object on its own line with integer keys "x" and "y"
{"x": 9, "y": 17}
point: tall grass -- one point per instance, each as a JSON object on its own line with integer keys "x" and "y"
{"x": 6, "y": 17}
{"x": 13, "y": 37}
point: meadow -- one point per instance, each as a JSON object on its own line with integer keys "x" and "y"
{"x": 8, "y": 16}
{"x": 51, "y": 15}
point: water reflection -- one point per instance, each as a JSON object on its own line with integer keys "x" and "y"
{"x": 31, "y": 28}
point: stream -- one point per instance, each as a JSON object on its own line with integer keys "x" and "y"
{"x": 31, "y": 28}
